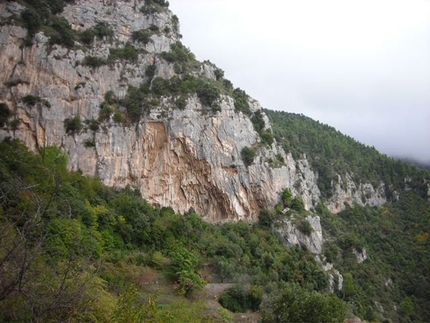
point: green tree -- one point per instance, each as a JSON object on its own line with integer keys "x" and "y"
{"x": 297, "y": 305}
{"x": 248, "y": 155}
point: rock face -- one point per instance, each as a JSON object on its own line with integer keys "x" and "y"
{"x": 189, "y": 158}
{"x": 290, "y": 232}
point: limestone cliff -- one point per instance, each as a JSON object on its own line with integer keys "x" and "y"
{"x": 187, "y": 157}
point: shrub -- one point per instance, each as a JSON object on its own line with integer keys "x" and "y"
{"x": 181, "y": 103}
{"x": 175, "y": 23}
{"x": 219, "y": 74}
{"x": 128, "y": 52}
{"x": 105, "y": 111}
{"x": 154, "y": 28}
{"x": 239, "y": 299}
{"x": 118, "y": 117}
{"x": 100, "y": 31}
{"x": 93, "y": 124}
{"x": 297, "y": 204}
{"x": 258, "y": 121}
{"x": 267, "y": 137}
{"x": 160, "y": 86}
{"x": 93, "y": 61}
{"x": 178, "y": 53}
{"x": 305, "y": 227}
{"x": 5, "y": 114}
{"x": 247, "y": 155}
{"x": 32, "y": 21}
{"x": 241, "y": 101}
{"x": 62, "y": 33}
{"x": 14, "y": 124}
{"x": 33, "y": 100}
{"x": 73, "y": 125}
{"x": 142, "y": 36}
{"x": 295, "y": 304}
{"x": 208, "y": 93}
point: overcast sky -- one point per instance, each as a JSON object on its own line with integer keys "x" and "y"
{"x": 362, "y": 67}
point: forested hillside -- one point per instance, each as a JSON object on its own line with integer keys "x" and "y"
{"x": 72, "y": 249}
{"x": 109, "y": 90}
{"x": 393, "y": 282}
{"x": 332, "y": 152}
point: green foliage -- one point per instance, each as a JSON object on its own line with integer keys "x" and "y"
{"x": 142, "y": 35}
{"x": 83, "y": 233}
{"x": 241, "y": 101}
{"x": 5, "y": 114}
{"x": 60, "y": 32}
{"x": 182, "y": 58}
{"x": 136, "y": 102}
{"x": 73, "y": 125}
{"x": 330, "y": 153}
{"x": 394, "y": 235}
{"x": 287, "y": 197}
{"x": 41, "y": 15}
{"x": 219, "y": 74}
{"x": 297, "y": 204}
{"x": 150, "y": 71}
{"x": 248, "y": 155}
{"x": 93, "y": 61}
{"x": 100, "y": 31}
{"x": 33, "y": 100}
{"x": 240, "y": 299}
{"x": 32, "y": 21}
{"x": 297, "y": 305}
{"x": 175, "y": 22}
{"x": 267, "y": 137}
{"x": 258, "y": 121}
{"x": 208, "y": 93}
{"x": 128, "y": 52}
{"x": 266, "y": 218}
{"x": 305, "y": 227}
{"x": 154, "y": 6}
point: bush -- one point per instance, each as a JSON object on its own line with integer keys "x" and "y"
{"x": 238, "y": 299}
{"x": 5, "y": 114}
{"x": 93, "y": 61}
{"x": 258, "y": 121}
{"x": 178, "y": 53}
{"x": 62, "y": 33}
{"x": 33, "y": 100}
{"x": 142, "y": 36}
{"x": 247, "y": 155}
{"x": 208, "y": 93}
{"x": 241, "y": 101}
{"x": 73, "y": 125}
{"x": 100, "y": 31}
{"x": 32, "y": 21}
{"x": 129, "y": 52}
{"x": 305, "y": 227}
{"x": 267, "y": 137}
{"x": 160, "y": 86}
{"x": 298, "y": 305}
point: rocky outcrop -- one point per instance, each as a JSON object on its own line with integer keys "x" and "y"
{"x": 189, "y": 158}
{"x": 346, "y": 191}
{"x": 293, "y": 232}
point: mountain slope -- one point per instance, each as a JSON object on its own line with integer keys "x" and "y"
{"x": 111, "y": 84}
